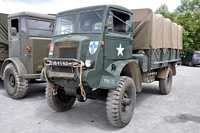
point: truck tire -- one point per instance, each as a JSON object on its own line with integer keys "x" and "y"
{"x": 61, "y": 101}
{"x": 165, "y": 85}
{"x": 120, "y": 102}
{"x": 15, "y": 86}
{"x": 190, "y": 64}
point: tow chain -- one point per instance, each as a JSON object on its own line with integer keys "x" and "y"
{"x": 71, "y": 64}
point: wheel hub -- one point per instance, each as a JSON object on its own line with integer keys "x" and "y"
{"x": 12, "y": 80}
{"x": 63, "y": 96}
{"x": 126, "y": 102}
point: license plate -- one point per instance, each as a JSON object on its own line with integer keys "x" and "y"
{"x": 60, "y": 63}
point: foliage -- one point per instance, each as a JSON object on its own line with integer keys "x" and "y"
{"x": 163, "y": 9}
{"x": 188, "y": 16}
{"x": 192, "y": 6}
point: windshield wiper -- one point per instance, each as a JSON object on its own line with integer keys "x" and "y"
{"x": 72, "y": 19}
{"x": 98, "y": 15}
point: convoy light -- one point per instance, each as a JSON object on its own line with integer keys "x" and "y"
{"x": 51, "y": 45}
{"x": 28, "y": 48}
{"x": 88, "y": 63}
{"x": 51, "y": 48}
{"x": 102, "y": 43}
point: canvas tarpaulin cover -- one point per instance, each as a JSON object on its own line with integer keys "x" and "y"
{"x": 3, "y": 29}
{"x": 3, "y": 37}
{"x": 153, "y": 31}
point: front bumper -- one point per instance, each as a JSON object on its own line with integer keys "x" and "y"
{"x": 64, "y": 63}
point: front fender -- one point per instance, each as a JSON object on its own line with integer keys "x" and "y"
{"x": 18, "y": 64}
{"x": 112, "y": 73}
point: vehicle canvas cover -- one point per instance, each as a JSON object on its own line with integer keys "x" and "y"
{"x": 153, "y": 31}
{"x": 3, "y": 29}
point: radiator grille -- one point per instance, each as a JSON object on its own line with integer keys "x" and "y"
{"x": 65, "y": 49}
{"x": 68, "y": 52}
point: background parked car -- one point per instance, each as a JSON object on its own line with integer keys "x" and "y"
{"x": 191, "y": 58}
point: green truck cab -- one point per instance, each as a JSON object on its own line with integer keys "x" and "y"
{"x": 101, "y": 52}
{"x": 26, "y": 39}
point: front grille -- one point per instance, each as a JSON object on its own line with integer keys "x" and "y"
{"x": 62, "y": 69}
{"x": 66, "y": 49}
{"x": 68, "y": 52}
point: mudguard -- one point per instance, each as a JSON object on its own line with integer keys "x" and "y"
{"x": 112, "y": 73}
{"x": 18, "y": 64}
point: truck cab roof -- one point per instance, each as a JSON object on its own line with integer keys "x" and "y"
{"x": 32, "y": 14}
{"x": 83, "y": 9}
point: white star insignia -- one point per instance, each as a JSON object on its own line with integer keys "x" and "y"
{"x": 120, "y": 49}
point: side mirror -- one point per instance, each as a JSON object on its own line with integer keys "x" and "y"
{"x": 13, "y": 31}
{"x": 129, "y": 26}
{"x": 52, "y": 26}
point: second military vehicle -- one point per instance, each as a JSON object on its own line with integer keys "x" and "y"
{"x": 24, "y": 41}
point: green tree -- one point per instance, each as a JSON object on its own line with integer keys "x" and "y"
{"x": 163, "y": 9}
{"x": 188, "y": 16}
{"x": 192, "y": 6}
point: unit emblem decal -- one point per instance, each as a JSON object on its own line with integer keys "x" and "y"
{"x": 93, "y": 47}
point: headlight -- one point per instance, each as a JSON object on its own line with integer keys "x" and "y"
{"x": 88, "y": 63}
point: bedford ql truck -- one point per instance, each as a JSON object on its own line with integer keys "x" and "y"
{"x": 106, "y": 52}
{"x": 24, "y": 40}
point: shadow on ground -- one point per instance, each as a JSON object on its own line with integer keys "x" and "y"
{"x": 91, "y": 113}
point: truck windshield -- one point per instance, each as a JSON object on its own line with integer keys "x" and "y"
{"x": 40, "y": 27}
{"x": 91, "y": 21}
{"x": 65, "y": 24}
{"x": 88, "y": 22}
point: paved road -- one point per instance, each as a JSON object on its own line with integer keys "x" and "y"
{"x": 178, "y": 112}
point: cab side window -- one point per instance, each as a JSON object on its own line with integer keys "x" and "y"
{"x": 23, "y": 26}
{"x": 116, "y": 22}
{"x": 14, "y": 23}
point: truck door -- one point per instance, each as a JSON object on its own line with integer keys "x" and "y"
{"x": 118, "y": 43}
{"x": 14, "y": 39}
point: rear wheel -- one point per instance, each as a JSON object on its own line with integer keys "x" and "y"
{"x": 61, "y": 101}
{"x": 120, "y": 102}
{"x": 165, "y": 85}
{"x": 15, "y": 86}
{"x": 191, "y": 64}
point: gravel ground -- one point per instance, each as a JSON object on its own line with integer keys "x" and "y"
{"x": 178, "y": 112}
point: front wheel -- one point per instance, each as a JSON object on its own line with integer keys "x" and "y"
{"x": 61, "y": 101}
{"x": 165, "y": 85}
{"x": 15, "y": 86}
{"x": 120, "y": 102}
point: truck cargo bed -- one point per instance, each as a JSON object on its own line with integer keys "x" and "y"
{"x": 153, "y": 31}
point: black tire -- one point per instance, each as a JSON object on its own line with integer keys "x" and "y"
{"x": 165, "y": 85}
{"x": 190, "y": 64}
{"x": 61, "y": 101}
{"x": 15, "y": 86}
{"x": 120, "y": 102}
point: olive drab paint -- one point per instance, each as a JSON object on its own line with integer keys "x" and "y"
{"x": 100, "y": 50}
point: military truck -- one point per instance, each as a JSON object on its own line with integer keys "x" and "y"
{"x": 24, "y": 41}
{"x": 106, "y": 52}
